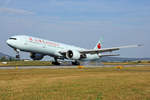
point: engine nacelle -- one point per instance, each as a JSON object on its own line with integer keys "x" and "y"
{"x": 73, "y": 54}
{"x": 36, "y": 56}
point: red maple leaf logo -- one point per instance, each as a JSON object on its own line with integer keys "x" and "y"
{"x": 99, "y": 46}
{"x": 30, "y": 39}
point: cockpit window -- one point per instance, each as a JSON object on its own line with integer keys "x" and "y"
{"x": 12, "y": 38}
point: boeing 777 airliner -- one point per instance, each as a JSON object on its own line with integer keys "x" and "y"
{"x": 41, "y": 47}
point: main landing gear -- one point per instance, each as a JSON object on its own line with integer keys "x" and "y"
{"x": 58, "y": 63}
{"x": 76, "y": 63}
{"x": 55, "y": 62}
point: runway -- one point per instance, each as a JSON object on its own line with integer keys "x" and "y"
{"x": 64, "y": 66}
{"x": 44, "y": 67}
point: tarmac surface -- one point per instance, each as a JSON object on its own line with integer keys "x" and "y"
{"x": 65, "y": 66}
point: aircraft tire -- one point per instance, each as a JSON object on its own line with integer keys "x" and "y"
{"x": 76, "y": 63}
{"x": 55, "y": 63}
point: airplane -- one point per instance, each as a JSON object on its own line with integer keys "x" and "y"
{"x": 40, "y": 47}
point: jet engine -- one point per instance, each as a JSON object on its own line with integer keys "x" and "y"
{"x": 36, "y": 56}
{"x": 75, "y": 55}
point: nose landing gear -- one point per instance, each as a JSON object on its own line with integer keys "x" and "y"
{"x": 17, "y": 53}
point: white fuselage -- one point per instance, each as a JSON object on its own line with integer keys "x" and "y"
{"x": 45, "y": 47}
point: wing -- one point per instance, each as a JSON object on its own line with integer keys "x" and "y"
{"x": 107, "y": 49}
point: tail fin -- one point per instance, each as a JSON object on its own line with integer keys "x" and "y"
{"x": 98, "y": 45}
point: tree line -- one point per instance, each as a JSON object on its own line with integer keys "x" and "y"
{"x": 4, "y": 58}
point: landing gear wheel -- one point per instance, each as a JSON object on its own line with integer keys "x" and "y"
{"x": 18, "y": 56}
{"x": 76, "y": 63}
{"x": 55, "y": 63}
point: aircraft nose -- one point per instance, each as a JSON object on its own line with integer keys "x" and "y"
{"x": 8, "y": 42}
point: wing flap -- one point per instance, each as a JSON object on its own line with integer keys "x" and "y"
{"x": 109, "y": 55}
{"x": 99, "y": 51}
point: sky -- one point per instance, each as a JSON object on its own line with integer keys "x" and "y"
{"x": 79, "y": 22}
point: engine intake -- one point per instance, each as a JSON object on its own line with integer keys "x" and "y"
{"x": 73, "y": 54}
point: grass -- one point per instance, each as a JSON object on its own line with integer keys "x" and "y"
{"x": 131, "y": 83}
{"x": 127, "y": 63}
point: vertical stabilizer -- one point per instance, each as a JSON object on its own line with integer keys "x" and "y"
{"x": 98, "y": 45}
